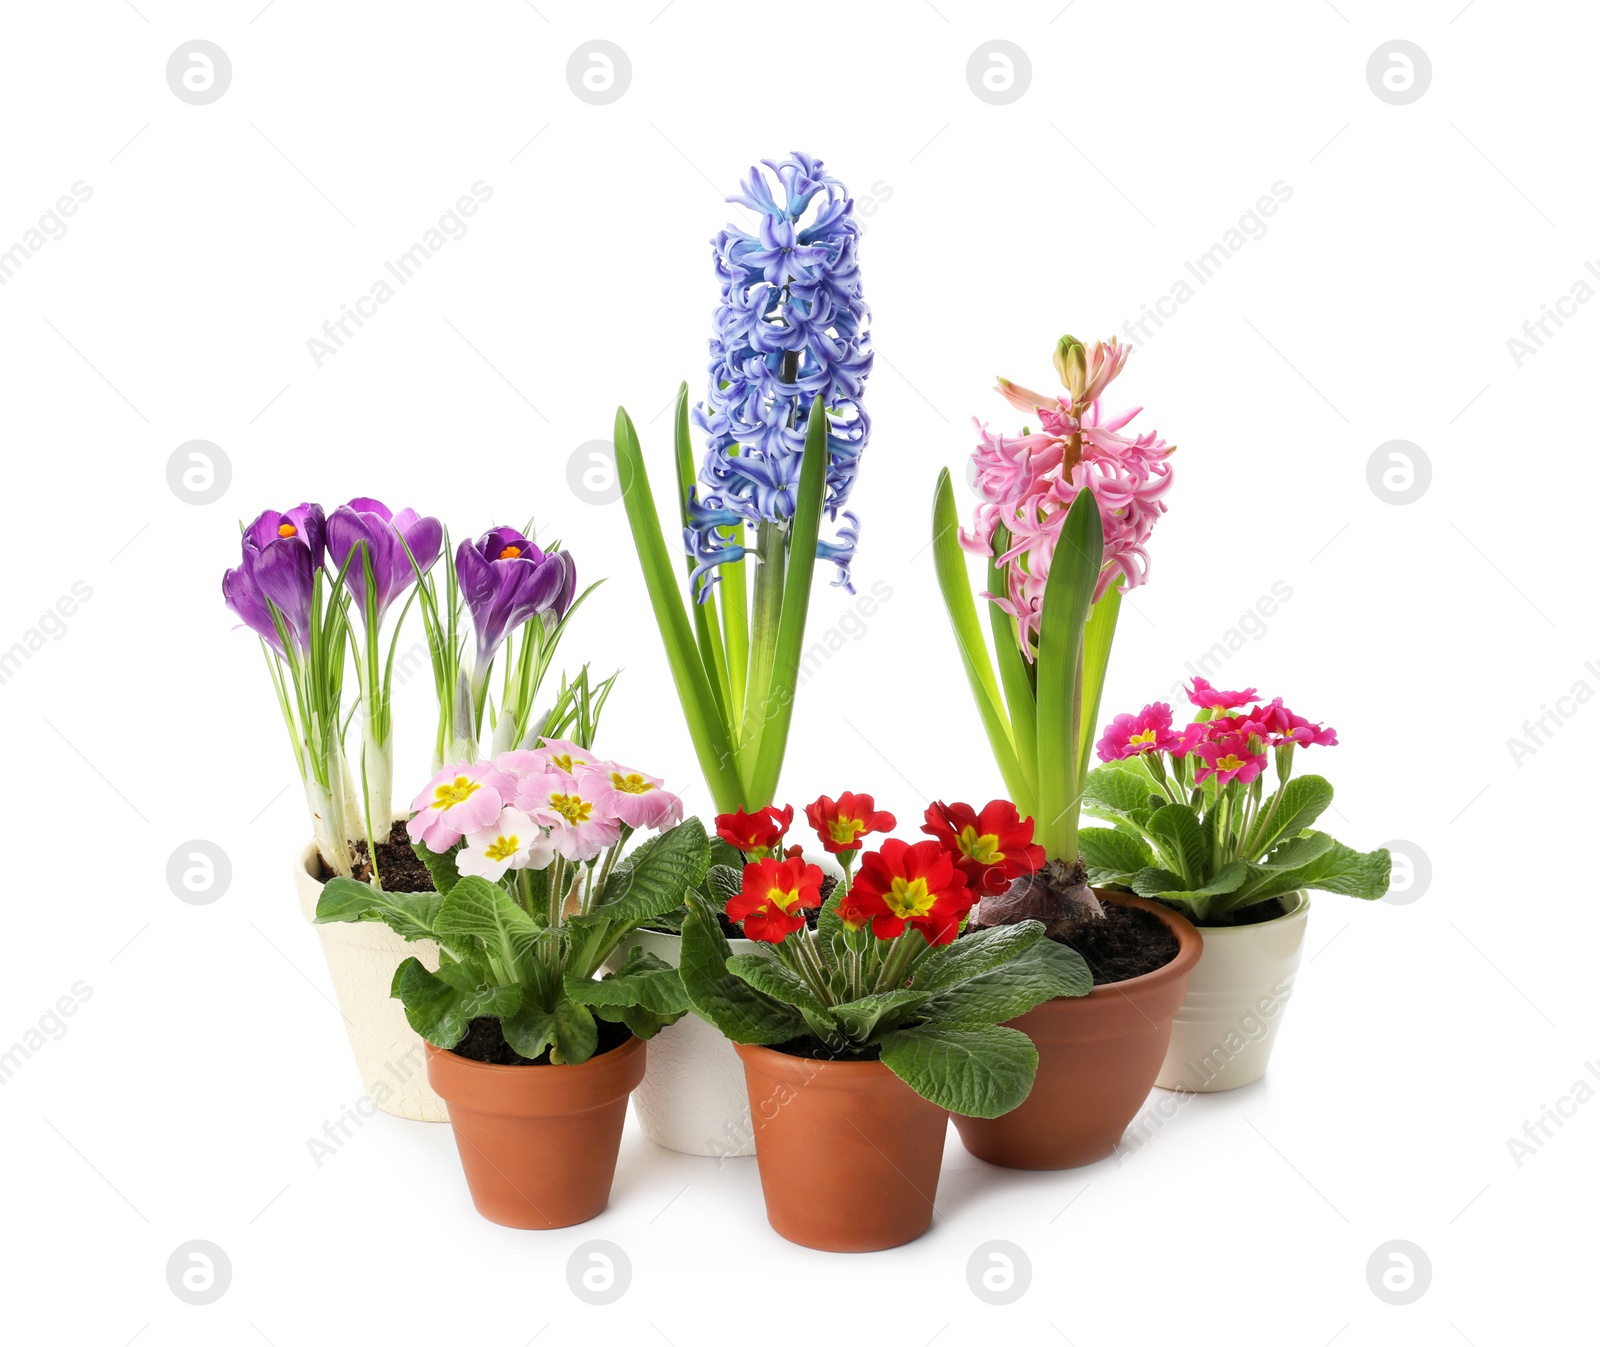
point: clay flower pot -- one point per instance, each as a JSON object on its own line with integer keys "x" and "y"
{"x": 1223, "y": 1032}
{"x": 538, "y": 1143}
{"x": 1098, "y": 1057}
{"x": 693, "y": 1097}
{"x": 849, "y": 1153}
{"x": 362, "y": 957}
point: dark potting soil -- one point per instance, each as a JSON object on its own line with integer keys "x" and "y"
{"x": 1127, "y": 943}
{"x": 486, "y": 1042}
{"x": 398, "y": 865}
{"x": 814, "y": 1049}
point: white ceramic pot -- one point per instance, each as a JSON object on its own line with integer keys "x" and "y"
{"x": 1223, "y": 1032}
{"x": 362, "y": 957}
{"x": 693, "y": 1097}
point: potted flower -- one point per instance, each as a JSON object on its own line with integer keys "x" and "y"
{"x": 1194, "y": 828}
{"x": 535, "y": 1055}
{"x": 785, "y": 431}
{"x": 323, "y": 593}
{"x": 861, "y": 1031}
{"x": 1065, "y": 515}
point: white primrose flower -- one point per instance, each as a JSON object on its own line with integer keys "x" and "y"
{"x": 513, "y": 842}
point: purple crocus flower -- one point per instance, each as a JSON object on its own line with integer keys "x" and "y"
{"x": 280, "y": 554}
{"x": 506, "y": 580}
{"x": 388, "y": 536}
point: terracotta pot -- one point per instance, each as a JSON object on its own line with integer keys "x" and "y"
{"x": 362, "y": 957}
{"x": 849, "y": 1153}
{"x": 1223, "y": 1032}
{"x": 538, "y": 1143}
{"x": 693, "y": 1097}
{"x": 1098, "y": 1058}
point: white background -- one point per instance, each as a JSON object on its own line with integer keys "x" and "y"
{"x": 1377, "y": 306}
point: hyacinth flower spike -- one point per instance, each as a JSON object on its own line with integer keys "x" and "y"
{"x": 1064, "y": 516}
{"x": 785, "y": 431}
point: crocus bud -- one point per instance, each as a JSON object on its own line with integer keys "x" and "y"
{"x": 1072, "y": 366}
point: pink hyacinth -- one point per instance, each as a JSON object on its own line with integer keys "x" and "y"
{"x": 1027, "y": 483}
{"x": 1150, "y": 731}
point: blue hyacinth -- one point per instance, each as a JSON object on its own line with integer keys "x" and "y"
{"x": 791, "y": 324}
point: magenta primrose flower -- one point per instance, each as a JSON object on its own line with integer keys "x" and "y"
{"x": 459, "y": 800}
{"x": 1208, "y": 698}
{"x": 1229, "y": 757}
{"x": 1278, "y": 725}
{"x": 1150, "y": 731}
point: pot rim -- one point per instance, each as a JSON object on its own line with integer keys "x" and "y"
{"x": 1302, "y": 905}
{"x": 631, "y": 1047}
{"x": 1190, "y": 945}
{"x": 761, "y": 1050}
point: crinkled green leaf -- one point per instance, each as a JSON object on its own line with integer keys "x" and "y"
{"x": 409, "y": 915}
{"x": 733, "y": 1005}
{"x": 642, "y": 980}
{"x": 977, "y": 1071}
{"x": 568, "y": 1032}
{"x": 440, "y": 1006}
{"x": 1112, "y": 852}
{"x": 969, "y": 956}
{"x": 1042, "y": 972}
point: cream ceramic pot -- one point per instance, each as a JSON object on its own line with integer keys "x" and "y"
{"x": 693, "y": 1097}
{"x": 1223, "y": 1032}
{"x": 362, "y": 957}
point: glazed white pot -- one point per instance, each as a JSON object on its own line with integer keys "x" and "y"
{"x": 1223, "y": 1032}
{"x": 693, "y": 1097}
{"x": 362, "y": 957}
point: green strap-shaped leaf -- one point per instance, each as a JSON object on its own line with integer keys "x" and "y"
{"x": 797, "y": 582}
{"x": 1040, "y": 973}
{"x": 976, "y": 1071}
{"x": 1068, "y": 593}
{"x": 712, "y": 742}
{"x": 409, "y": 915}
{"x": 707, "y": 632}
{"x": 950, "y": 565}
{"x": 734, "y": 1006}
{"x": 440, "y": 1006}
{"x": 1097, "y": 637}
{"x": 1016, "y": 673}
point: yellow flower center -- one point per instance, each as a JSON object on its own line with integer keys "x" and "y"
{"x": 512, "y": 550}
{"x": 784, "y": 899}
{"x": 909, "y": 897}
{"x": 573, "y": 808}
{"x": 1143, "y": 737}
{"x": 632, "y": 784}
{"x": 566, "y": 761}
{"x": 501, "y": 848}
{"x": 984, "y": 849}
{"x": 286, "y": 529}
{"x": 846, "y": 829}
{"x": 1229, "y": 762}
{"x": 458, "y": 790}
